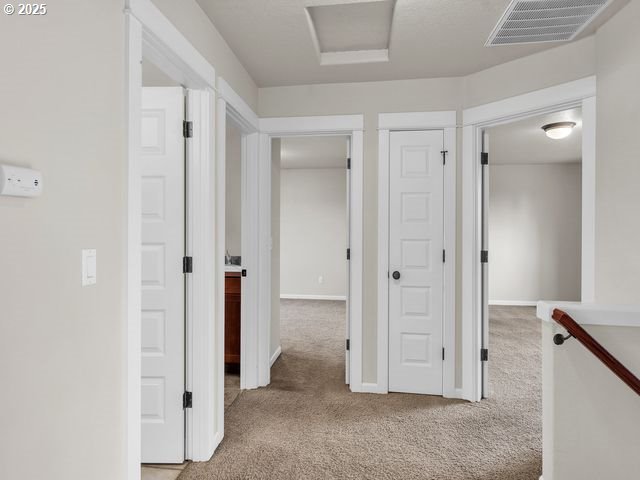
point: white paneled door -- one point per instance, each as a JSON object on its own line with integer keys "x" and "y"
{"x": 163, "y": 288}
{"x": 416, "y": 268}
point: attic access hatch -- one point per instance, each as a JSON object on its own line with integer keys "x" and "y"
{"x": 539, "y": 21}
{"x": 350, "y": 31}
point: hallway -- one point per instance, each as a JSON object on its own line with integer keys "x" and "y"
{"x": 307, "y": 425}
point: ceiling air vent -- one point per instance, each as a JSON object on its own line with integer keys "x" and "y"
{"x": 537, "y": 21}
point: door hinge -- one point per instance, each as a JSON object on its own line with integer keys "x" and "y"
{"x": 444, "y": 256}
{"x": 348, "y": 164}
{"x": 187, "y": 400}
{"x": 484, "y": 256}
{"x": 187, "y": 264}
{"x": 484, "y": 158}
{"x": 244, "y": 272}
{"x": 484, "y": 354}
{"x": 444, "y": 156}
{"x": 348, "y": 254}
{"x": 348, "y": 344}
{"x": 443, "y": 354}
{"x": 187, "y": 129}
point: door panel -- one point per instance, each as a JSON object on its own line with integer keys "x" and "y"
{"x": 163, "y": 246}
{"x": 416, "y": 238}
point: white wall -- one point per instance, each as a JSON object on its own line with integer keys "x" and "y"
{"x": 534, "y": 232}
{"x": 313, "y": 232}
{"x": 590, "y": 417}
{"x": 233, "y": 190}
{"x": 62, "y": 346}
{"x": 618, "y": 163}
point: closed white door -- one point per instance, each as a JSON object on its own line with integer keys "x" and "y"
{"x": 163, "y": 246}
{"x": 416, "y": 239}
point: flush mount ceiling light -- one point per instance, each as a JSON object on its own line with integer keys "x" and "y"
{"x": 558, "y": 130}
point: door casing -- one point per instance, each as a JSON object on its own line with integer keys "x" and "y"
{"x": 388, "y": 122}
{"x": 351, "y": 125}
{"x": 580, "y": 93}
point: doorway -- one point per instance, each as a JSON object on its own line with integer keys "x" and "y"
{"x": 531, "y": 224}
{"x": 578, "y": 94}
{"x": 311, "y": 250}
{"x": 273, "y": 130}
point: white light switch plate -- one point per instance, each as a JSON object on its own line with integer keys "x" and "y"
{"x": 89, "y": 271}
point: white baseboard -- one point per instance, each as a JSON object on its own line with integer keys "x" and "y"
{"x": 292, "y": 296}
{"x": 372, "y": 388}
{"x": 275, "y": 356}
{"x": 456, "y": 393}
{"x": 514, "y": 303}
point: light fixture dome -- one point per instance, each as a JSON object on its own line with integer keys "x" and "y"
{"x": 558, "y": 130}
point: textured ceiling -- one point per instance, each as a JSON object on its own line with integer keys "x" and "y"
{"x": 429, "y": 38}
{"x": 525, "y": 142}
{"x": 313, "y": 152}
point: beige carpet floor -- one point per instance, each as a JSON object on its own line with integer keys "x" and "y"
{"x": 306, "y": 424}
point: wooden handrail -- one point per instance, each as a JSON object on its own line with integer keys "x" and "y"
{"x": 598, "y": 350}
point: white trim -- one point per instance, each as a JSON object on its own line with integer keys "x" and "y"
{"x": 293, "y": 296}
{"x": 201, "y": 245}
{"x": 231, "y": 107}
{"x": 588, "y": 268}
{"x": 382, "y": 367}
{"x": 264, "y": 261}
{"x": 450, "y": 245}
{"x": 275, "y": 356}
{"x": 311, "y": 125}
{"x": 133, "y": 262}
{"x": 532, "y": 103}
{"x": 417, "y": 120}
{"x": 239, "y": 109}
{"x": 354, "y": 57}
{"x": 445, "y": 121}
{"x": 166, "y": 47}
{"x": 373, "y": 388}
{"x": 323, "y": 125}
{"x": 151, "y": 35}
{"x": 580, "y": 93}
{"x": 513, "y": 303}
{"x": 250, "y": 317}
{"x": 219, "y": 252}
{"x": 592, "y": 313}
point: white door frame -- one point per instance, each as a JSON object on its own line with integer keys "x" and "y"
{"x": 387, "y": 123}
{"x": 579, "y": 93}
{"x": 150, "y": 34}
{"x": 353, "y": 126}
{"x": 230, "y": 106}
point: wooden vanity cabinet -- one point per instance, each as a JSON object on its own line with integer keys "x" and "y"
{"x": 233, "y": 291}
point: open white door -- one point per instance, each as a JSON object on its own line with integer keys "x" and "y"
{"x": 416, "y": 239}
{"x": 163, "y": 287}
{"x": 347, "y": 357}
{"x": 484, "y": 259}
